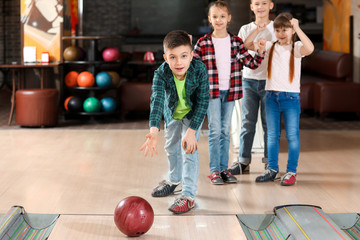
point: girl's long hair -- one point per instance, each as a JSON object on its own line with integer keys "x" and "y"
{"x": 283, "y": 21}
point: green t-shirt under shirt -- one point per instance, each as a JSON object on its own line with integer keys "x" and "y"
{"x": 182, "y": 107}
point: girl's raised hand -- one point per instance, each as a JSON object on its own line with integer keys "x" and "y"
{"x": 295, "y": 23}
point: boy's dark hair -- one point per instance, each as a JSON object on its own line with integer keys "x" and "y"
{"x": 176, "y": 38}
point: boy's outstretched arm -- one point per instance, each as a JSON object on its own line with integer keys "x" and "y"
{"x": 249, "y": 41}
{"x": 308, "y": 46}
{"x": 151, "y": 142}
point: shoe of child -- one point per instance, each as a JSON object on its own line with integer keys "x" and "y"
{"x": 165, "y": 188}
{"x": 267, "y": 176}
{"x": 239, "y": 168}
{"x": 215, "y": 178}
{"x": 182, "y": 205}
{"x": 227, "y": 177}
{"x": 288, "y": 179}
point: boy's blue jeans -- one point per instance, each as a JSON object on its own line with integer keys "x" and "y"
{"x": 182, "y": 166}
{"x": 253, "y": 98}
{"x": 286, "y": 104}
{"x": 219, "y": 116}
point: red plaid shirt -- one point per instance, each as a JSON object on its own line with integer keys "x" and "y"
{"x": 204, "y": 51}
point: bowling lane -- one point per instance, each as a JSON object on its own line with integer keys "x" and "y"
{"x": 94, "y": 227}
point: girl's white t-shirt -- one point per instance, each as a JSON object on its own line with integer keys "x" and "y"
{"x": 268, "y": 34}
{"x": 222, "y": 48}
{"x": 280, "y": 67}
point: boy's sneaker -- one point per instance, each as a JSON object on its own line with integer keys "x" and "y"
{"x": 239, "y": 168}
{"x": 165, "y": 188}
{"x": 288, "y": 179}
{"x": 267, "y": 176}
{"x": 215, "y": 178}
{"x": 227, "y": 177}
{"x": 182, "y": 205}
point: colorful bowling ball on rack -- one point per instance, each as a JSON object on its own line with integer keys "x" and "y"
{"x": 108, "y": 104}
{"x": 71, "y": 79}
{"x": 115, "y": 78}
{"x": 103, "y": 79}
{"x": 133, "y": 216}
{"x": 75, "y": 104}
{"x": 71, "y": 53}
{"x": 92, "y": 105}
{"x": 111, "y": 54}
{"x": 66, "y": 102}
{"x": 82, "y": 54}
{"x": 85, "y": 79}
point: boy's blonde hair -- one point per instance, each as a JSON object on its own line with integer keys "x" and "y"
{"x": 283, "y": 21}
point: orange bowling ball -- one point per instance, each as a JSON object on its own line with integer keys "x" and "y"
{"x": 71, "y": 79}
{"x": 66, "y": 102}
{"x": 85, "y": 79}
{"x": 115, "y": 78}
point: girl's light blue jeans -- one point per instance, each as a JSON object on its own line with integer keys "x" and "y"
{"x": 219, "y": 116}
{"x": 286, "y": 104}
{"x": 182, "y": 166}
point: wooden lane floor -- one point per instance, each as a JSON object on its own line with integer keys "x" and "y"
{"x": 164, "y": 227}
{"x": 83, "y": 174}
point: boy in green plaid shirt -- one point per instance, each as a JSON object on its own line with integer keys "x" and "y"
{"x": 180, "y": 92}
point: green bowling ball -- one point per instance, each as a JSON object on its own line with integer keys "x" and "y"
{"x": 92, "y": 104}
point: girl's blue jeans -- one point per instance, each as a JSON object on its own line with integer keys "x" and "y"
{"x": 182, "y": 166}
{"x": 219, "y": 117}
{"x": 286, "y": 104}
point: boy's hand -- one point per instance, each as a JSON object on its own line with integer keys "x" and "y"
{"x": 295, "y": 23}
{"x": 151, "y": 142}
{"x": 189, "y": 141}
{"x": 261, "y": 27}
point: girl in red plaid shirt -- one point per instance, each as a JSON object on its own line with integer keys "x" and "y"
{"x": 224, "y": 56}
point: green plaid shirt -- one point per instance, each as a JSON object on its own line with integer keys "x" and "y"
{"x": 164, "y": 96}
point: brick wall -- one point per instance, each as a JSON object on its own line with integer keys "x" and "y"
{"x": 101, "y": 17}
{"x": 107, "y": 17}
{"x": 9, "y": 34}
{"x": 10, "y": 31}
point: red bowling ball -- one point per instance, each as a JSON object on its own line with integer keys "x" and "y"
{"x": 133, "y": 216}
{"x": 111, "y": 54}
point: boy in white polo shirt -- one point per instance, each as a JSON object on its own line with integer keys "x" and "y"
{"x": 253, "y": 88}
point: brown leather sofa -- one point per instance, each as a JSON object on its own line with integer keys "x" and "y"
{"x": 322, "y": 67}
{"x": 336, "y": 97}
{"x": 134, "y": 96}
